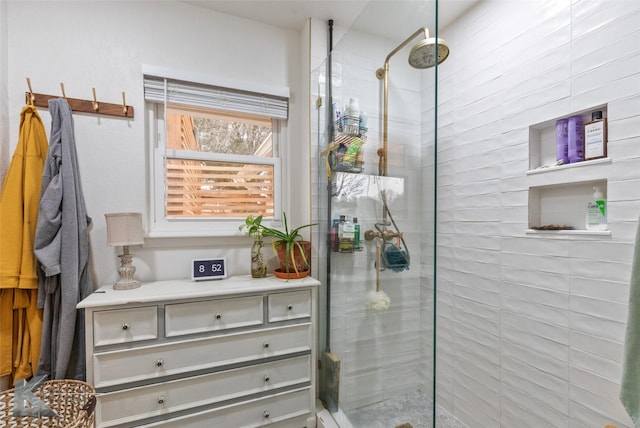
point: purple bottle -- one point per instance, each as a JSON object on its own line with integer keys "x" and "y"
{"x": 576, "y": 139}
{"x": 562, "y": 140}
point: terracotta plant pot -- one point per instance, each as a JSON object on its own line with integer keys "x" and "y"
{"x": 298, "y": 260}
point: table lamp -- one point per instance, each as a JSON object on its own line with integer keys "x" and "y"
{"x": 124, "y": 229}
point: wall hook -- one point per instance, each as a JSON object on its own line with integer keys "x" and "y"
{"x": 124, "y": 104}
{"x": 95, "y": 100}
{"x": 31, "y": 96}
{"x": 89, "y": 105}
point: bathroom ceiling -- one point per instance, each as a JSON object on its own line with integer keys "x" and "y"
{"x": 392, "y": 19}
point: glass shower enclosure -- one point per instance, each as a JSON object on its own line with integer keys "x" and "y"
{"x": 375, "y": 204}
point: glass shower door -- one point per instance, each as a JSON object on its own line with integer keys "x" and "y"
{"x": 377, "y": 311}
{"x": 376, "y": 365}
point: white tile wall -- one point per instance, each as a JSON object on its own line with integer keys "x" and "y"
{"x": 554, "y": 328}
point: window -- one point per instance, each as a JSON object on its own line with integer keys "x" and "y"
{"x": 215, "y": 157}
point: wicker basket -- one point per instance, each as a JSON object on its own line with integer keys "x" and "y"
{"x": 73, "y": 401}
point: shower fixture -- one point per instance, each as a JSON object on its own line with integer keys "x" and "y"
{"x": 427, "y": 53}
{"x": 385, "y": 234}
{"x": 392, "y": 255}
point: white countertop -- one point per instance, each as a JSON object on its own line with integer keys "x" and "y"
{"x": 188, "y": 289}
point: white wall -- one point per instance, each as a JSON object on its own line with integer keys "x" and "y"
{"x": 531, "y": 327}
{"x": 103, "y": 44}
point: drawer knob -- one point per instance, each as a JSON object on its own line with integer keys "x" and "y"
{"x": 126, "y": 326}
{"x": 266, "y": 378}
{"x": 160, "y": 362}
{"x": 218, "y": 316}
{"x": 265, "y": 345}
{"x": 266, "y": 414}
{"x": 161, "y": 399}
{"x": 289, "y": 307}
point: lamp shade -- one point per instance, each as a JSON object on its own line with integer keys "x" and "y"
{"x": 124, "y": 229}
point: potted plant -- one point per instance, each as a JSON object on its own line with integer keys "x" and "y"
{"x": 292, "y": 250}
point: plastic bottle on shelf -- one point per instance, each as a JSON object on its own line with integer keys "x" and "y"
{"x": 340, "y": 152}
{"x": 597, "y": 211}
{"x": 562, "y": 141}
{"x": 595, "y": 137}
{"x": 576, "y": 139}
{"x": 356, "y": 234}
{"x": 362, "y": 122}
{"x": 340, "y": 228}
{"x": 334, "y": 234}
{"x": 352, "y": 112}
{"x": 337, "y": 116}
{"x": 347, "y": 236}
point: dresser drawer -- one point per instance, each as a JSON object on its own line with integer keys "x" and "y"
{"x": 290, "y": 305}
{"x": 196, "y": 354}
{"x": 278, "y": 411}
{"x": 159, "y": 399}
{"x": 125, "y": 325}
{"x": 212, "y": 315}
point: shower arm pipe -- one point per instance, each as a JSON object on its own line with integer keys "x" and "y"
{"x": 383, "y": 73}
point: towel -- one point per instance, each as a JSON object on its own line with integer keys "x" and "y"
{"x": 630, "y": 387}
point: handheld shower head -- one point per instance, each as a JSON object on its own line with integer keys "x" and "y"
{"x": 424, "y": 55}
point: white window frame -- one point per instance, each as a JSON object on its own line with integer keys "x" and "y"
{"x": 162, "y": 227}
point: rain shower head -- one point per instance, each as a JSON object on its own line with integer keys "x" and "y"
{"x": 422, "y": 55}
{"x": 428, "y": 52}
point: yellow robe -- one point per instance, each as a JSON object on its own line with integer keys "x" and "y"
{"x": 20, "y": 319}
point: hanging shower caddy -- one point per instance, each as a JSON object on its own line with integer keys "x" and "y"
{"x": 350, "y": 135}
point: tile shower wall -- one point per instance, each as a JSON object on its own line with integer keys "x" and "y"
{"x": 531, "y": 327}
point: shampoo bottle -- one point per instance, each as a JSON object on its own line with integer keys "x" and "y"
{"x": 562, "y": 141}
{"x": 356, "y": 234}
{"x": 595, "y": 137}
{"x": 346, "y": 237}
{"x": 597, "y": 211}
{"x": 576, "y": 139}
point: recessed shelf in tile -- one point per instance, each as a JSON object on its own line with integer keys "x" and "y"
{"x": 558, "y": 195}
{"x": 542, "y": 137}
{"x": 562, "y": 204}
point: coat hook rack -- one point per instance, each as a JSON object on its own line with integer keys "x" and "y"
{"x": 77, "y": 105}
{"x": 124, "y": 104}
{"x": 30, "y": 97}
{"x": 96, "y": 106}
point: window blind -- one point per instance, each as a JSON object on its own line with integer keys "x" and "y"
{"x": 214, "y": 97}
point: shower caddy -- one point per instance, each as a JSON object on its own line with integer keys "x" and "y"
{"x": 350, "y": 134}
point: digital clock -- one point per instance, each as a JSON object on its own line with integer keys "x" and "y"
{"x": 202, "y": 269}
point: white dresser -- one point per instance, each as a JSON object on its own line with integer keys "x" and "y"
{"x": 231, "y": 353}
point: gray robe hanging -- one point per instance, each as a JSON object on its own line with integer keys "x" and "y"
{"x": 62, "y": 248}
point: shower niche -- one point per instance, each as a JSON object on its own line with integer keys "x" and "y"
{"x": 558, "y": 194}
{"x": 542, "y": 143}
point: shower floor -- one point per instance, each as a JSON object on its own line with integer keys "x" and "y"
{"x": 411, "y": 408}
